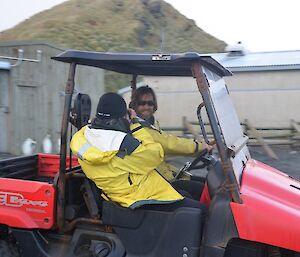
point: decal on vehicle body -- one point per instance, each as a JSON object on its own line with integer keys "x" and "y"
{"x": 18, "y": 200}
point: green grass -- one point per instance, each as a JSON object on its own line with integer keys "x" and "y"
{"x": 115, "y": 25}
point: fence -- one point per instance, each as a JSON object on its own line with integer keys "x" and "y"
{"x": 264, "y": 137}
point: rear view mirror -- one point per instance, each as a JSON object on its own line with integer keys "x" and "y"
{"x": 81, "y": 111}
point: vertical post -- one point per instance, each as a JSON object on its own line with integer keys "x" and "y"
{"x": 133, "y": 84}
{"x": 184, "y": 128}
{"x": 261, "y": 140}
{"x": 63, "y": 149}
{"x": 296, "y": 128}
{"x": 225, "y": 159}
{"x": 202, "y": 126}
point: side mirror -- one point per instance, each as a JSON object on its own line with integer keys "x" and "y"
{"x": 81, "y": 111}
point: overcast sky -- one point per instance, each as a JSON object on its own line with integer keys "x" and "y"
{"x": 262, "y": 25}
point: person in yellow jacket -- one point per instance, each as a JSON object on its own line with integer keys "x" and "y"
{"x": 144, "y": 103}
{"x": 121, "y": 159}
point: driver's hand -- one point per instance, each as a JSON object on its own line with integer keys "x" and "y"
{"x": 202, "y": 146}
{"x": 208, "y": 147}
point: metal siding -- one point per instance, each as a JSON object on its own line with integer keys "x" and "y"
{"x": 4, "y": 110}
{"x": 260, "y": 61}
{"x": 37, "y": 95}
{"x": 26, "y": 113}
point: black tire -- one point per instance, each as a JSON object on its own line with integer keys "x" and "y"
{"x": 8, "y": 249}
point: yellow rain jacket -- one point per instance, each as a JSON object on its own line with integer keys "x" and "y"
{"x": 131, "y": 181}
{"x": 172, "y": 145}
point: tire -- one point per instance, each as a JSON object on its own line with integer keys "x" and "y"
{"x": 8, "y": 249}
{"x": 273, "y": 251}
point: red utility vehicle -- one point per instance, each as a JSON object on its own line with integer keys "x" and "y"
{"x": 48, "y": 208}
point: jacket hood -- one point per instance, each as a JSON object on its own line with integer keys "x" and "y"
{"x": 104, "y": 140}
{"x": 96, "y": 146}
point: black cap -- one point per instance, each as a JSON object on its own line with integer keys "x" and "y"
{"x": 111, "y": 105}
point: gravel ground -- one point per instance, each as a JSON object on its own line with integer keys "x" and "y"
{"x": 289, "y": 159}
{"x": 5, "y": 156}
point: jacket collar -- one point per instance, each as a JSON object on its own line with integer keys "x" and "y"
{"x": 104, "y": 140}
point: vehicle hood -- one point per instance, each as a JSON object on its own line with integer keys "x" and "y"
{"x": 272, "y": 183}
{"x": 270, "y": 212}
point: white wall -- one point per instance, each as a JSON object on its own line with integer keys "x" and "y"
{"x": 267, "y": 99}
{"x": 37, "y": 98}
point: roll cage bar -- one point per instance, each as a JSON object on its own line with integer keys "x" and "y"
{"x": 182, "y": 64}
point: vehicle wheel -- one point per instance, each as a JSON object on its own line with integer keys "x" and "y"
{"x": 8, "y": 249}
{"x": 273, "y": 251}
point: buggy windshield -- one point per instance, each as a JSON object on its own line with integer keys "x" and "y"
{"x": 229, "y": 122}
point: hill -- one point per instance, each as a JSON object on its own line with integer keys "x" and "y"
{"x": 115, "y": 25}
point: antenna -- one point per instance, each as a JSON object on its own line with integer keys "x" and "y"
{"x": 162, "y": 41}
{"x": 20, "y": 58}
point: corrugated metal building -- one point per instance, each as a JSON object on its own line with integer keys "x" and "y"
{"x": 32, "y": 93}
{"x": 265, "y": 88}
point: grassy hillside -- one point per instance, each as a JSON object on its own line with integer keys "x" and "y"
{"x": 115, "y": 25}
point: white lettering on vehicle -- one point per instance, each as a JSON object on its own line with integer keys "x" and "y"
{"x": 18, "y": 200}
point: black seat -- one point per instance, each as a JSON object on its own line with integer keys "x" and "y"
{"x": 152, "y": 233}
{"x": 156, "y": 233}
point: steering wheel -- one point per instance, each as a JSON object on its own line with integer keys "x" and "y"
{"x": 201, "y": 156}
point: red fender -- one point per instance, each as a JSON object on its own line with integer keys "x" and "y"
{"x": 270, "y": 212}
{"x": 26, "y": 204}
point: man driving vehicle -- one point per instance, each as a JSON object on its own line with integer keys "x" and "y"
{"x": 145, "y": 104}
{"x": 121, "y": 157}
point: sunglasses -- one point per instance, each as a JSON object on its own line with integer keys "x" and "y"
{"x": 150, "y": 103}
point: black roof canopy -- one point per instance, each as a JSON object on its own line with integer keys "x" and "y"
{"x": 143, "y": 63}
